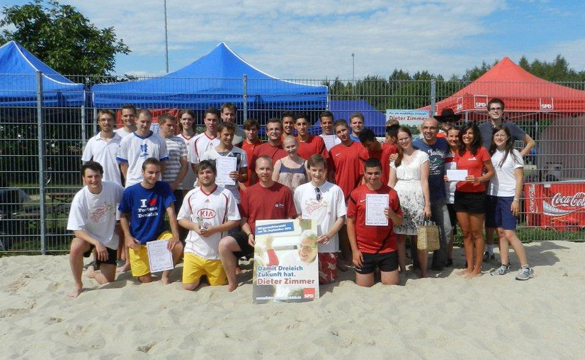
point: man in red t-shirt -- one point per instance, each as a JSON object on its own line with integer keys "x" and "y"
{"x": 263, "y": 201}
{"x": 373, "y": 149}
{"x": 373, "y": 246}
{"x": 288, "y": 124}
{"x": 273, "y": 148}
{"x": 309, "y": 145}
{"x": 251, "y": 142}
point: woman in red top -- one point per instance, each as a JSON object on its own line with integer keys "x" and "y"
{"x": 470, "y": 195}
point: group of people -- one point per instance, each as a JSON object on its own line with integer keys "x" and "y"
{"x": 166, "y": 187}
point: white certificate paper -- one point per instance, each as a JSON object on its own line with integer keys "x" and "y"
{"x": 225, "y": 165}
{"x": 159, "y": 257}
{"x": 456, "y": 175}
{"x": 329, "y": 141}
{"x": 375, "y": 206}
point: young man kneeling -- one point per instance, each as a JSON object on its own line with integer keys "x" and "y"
{"x": 208, "y": 212}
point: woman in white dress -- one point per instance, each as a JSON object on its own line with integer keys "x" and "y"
{"x": 409, "y": 175}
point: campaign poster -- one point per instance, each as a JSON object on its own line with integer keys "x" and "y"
{"x": 286, "y": 265}
{"x": 407, "y": 117}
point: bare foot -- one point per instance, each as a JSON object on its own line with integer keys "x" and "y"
{"x": 424, "y": 275}
{"x": 232, "y": 287}
{"x": 90, "y": 272}
{"x": 75, "y": 293}
{"x": 165, "y": 280}
{"x": 474, "y": 273}
{"x": 123, "y": 268}
{"x": 463, "y": 272}
{"x": 238, "y": 270}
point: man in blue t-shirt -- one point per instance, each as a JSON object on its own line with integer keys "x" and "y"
{"x": 142, "y": 219}
{"x": 437, "y": 149}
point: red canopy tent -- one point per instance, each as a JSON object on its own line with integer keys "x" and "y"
{"x": 520, "y": 90}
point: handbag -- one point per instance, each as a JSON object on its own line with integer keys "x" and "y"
{"x": 428, "y": 236}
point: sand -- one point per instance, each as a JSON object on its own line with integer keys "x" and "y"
{"x": 447, "y": 317}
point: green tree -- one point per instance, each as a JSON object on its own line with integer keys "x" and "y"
{"x": 62, "y": 37}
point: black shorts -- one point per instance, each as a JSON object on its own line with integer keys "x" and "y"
{"x": 452, "y": 217}
{"x": 385, "y": 262}
{"x": 178, "y": 200}
{"x": 112, "y": 256}
{"x": 242, "y": 240}
{"x": 470, "y": 202}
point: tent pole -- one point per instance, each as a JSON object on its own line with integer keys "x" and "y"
{"x": 40, "y": 135}
{"x": 245, "y": 96}
{"x": 83, "y": 122}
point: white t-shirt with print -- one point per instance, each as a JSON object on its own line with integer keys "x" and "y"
{"x": 198, "y": 145}
{"x": 242, "y": 162}
{"x": 97, "y": 213}
{"x": 213, "y": 209}
{"x": 136, "y": 149}
{"x": 325, "y": 212}
{"x": 104, "y": 152}
{"x": 503, "y": 184}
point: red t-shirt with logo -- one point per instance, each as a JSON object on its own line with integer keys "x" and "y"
{"x": 273, "y": 152}
{"x": 249, "y": 149}
{"x": 345, "y": 163}
{"x": 474, "y": 166}
{"x": 383, "y": 155}
{"x": 260, "y": 203}
{"x": 313, "y": 146}
{"x": 373, "y": 239}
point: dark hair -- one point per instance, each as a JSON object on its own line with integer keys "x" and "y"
{"x": 206, "y": 164}
{"x": 212, "y": 110}
{"x": 392, "y": 130}
{"x": 367, "y": 134}
{"x": 226, "y": 125}
{"x": 164, "y": 118}
{"x": 150, "y": 161}
{"x": 287, "y": 114}
{"x": 129, "y": 106}
{"x": 496, "y": 101}
{"x": 340, "y": 122}
{"x": 229, "y": 106}
{"x": 275, "y": 120}
{"x": 106, "y": 112}
{"x": 315, "y": 160}
{"x": 190, "y": 113}
{"x": 372, "y": 162}
{"x": 358, "y": 115}
{"x": 302, "y": 116}
{"x": 249, "y": 123}
{"x": 509, "y": 144}
{"x": 327, "y": 113}
{"x": 476, "y": 138}
{"x": 92, "y": 165}
{"x": 398, "y": 160}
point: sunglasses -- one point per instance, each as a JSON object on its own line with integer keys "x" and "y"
{"x": 318, "y": 193}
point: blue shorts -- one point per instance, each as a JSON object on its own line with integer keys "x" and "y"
{"x": 499, "y": 213}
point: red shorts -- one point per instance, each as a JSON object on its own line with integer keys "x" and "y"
{"x": 327, "y": 267}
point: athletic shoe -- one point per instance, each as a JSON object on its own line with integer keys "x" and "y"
{"x": 502, "y": 270}
{"x": 525, "y": 273}
{"x": 488, "y": 257}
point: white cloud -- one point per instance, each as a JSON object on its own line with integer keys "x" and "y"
{"x": 306, "y": 38}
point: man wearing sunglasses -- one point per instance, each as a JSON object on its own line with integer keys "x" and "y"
{"x": 496, "y": 113}
{"x": 323, "y": 202}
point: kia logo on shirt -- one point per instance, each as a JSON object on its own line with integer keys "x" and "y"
{"x": 206, "y": 214}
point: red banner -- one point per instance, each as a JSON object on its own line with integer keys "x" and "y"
{"x": 559, "y": 206}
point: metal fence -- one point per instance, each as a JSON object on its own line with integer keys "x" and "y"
{"x": 41, "y": 143}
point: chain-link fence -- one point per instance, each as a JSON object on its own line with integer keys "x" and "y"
{"x": 43, "y": 132}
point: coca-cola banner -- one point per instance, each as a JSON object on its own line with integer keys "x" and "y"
{"x": 559, "y": 206}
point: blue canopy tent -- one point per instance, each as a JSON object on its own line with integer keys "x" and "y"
{"x": 373, "y": 118}
{"x": 212, "y": 80}
{"x": 18, "y": 82}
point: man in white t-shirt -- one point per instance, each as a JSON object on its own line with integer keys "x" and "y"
{"x": 92, "y": 219}
{"x": 128, "y": 113}
{"x": 229, "y": 114}
{"x": 326, "y": 120}
{"x": 323, "y": 202}
{"x": 226, "y": 149}
{"x": 138, "y": 147}
{"x": 104, "y": 147}
{"x": 199, "y": 144}
{"x": 208, "y": 212}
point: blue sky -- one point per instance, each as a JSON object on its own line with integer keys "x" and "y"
{"x": 315, "y": 39}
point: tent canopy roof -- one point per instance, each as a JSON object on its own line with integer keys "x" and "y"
{"x": 18, "y": 84}
{"x": 520, "y": 91}
{"x": 211, "y": 80}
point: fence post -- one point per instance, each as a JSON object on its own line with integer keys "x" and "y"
{"x": 83, "y": 121}
{"x": 41, "y": 138}
{"x": 94, "y": 114}
{"x": 433, "y": 97}
{"x": 245, "y": 96}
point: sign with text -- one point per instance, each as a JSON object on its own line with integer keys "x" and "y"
{"x": 286, "y": 265}
{"x": 559, "y": 206}
{"x": 407, "y": 117}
